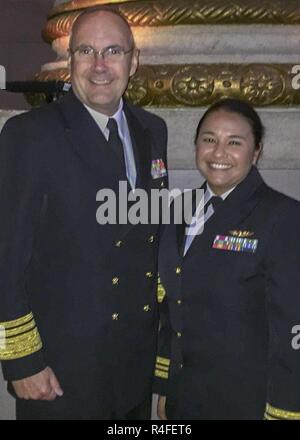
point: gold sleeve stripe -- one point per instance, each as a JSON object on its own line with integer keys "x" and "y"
{"x": 281, "y": 413}
{"x": 267, "y": 417}
{"x": 22, "y": 329}
{"x": 161, "y": 374}
{"x": 161, "y": 292}
{"x": 19, "y": 338}
{"x": 17, "y": 322}
{"x": 162, "y": 368}
{"x": 21, "y": 346}
{"x": 163, "y": 361}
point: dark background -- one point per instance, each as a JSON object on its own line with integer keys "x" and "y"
{"x": 22, "y": 49}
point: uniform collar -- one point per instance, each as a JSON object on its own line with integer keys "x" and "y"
{"x": 209, "y": 193}
{"x": 102, "y": 119}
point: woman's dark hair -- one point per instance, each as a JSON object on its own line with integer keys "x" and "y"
{"x": 241, "y": 108}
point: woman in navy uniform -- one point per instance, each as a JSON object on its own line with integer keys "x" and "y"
{"x": 230, "y": 295}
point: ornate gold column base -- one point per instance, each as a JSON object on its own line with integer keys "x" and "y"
{"x": 195, "y": 85}
{"x": 178, "y": 12}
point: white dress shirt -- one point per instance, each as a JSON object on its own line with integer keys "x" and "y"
{"x": 123, "y": 130}
{"x": 196, "y": 226}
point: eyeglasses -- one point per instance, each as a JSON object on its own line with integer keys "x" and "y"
{"x": 109, "y": 54}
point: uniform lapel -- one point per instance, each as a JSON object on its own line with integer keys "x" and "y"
{"x": 142, "y": 149}
{"x": 141, "y": 143}
{"x": 180, "y": 234}
{"x": 84, "y": 135}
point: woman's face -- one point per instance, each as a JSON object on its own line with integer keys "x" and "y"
{"x": 225, "y": 150}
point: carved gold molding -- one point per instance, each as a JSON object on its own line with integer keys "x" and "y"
{"x": 83, "y": 4}
{"x": 196, "y": 85}
{"x": 179, "y": 12}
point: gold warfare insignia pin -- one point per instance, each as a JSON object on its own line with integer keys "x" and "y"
{"x": 241, "y": 234}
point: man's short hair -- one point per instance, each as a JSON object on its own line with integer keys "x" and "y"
{"x": 100, "y": 8}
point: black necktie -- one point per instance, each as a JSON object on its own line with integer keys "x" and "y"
{"x": 215, "y": 201}
{"x": 115, "y": 142}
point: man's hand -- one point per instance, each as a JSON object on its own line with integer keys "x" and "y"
{"x": 161, "y": 407}
{"x": 41, "y": 386}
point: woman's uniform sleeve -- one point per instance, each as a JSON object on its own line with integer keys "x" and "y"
{"x": 164, "y": 344}
{"x": 283, "y": 306}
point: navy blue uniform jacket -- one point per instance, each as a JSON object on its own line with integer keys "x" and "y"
{"x": 75, "y": 295}
{"x": 228, "y": 342}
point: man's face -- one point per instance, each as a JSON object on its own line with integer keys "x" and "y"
{"x": 225, "y": 150}
{"x": 97, "y": 82}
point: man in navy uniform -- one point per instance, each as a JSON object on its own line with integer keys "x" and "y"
{"x": 78, "y": 313}
{"x": 230, "y": 285}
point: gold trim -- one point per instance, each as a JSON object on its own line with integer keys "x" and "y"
{"x": 195, "y": 85}
{"x": 151, "y": 239}
{"x": 53, "y": 75}
{"x": 22, "y": 329}
{"x": 21, "y": 345}
{"x": 267, "y": 417}
{"x": 161, "y": 292}
{"x": 163, "y": 361}
{"x": 84, "y": 4}
{"x": 20, "y": 338}
{"x": 178, "y": 12}
{"x": 281, "y": 413}
{"x": 238, "y": 233}
{"x": 162, "y": 368}
{"x": 59, "y": 26}
{"x": 17, "y": 322}
{"x": 161, "y": 374}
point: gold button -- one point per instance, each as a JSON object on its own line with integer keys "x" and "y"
{"x": 147, "y": 308}
{"x": 149, "y": 274}
{"x": 119, "y": 243}
{"x": 179, "y": 302}
{"x": 178, "y": 270}
{"x": 180, "y": 366}
{"x": 115, "y": 316}
{"x": 178, "y": 335}
{"x": 162, "y": 184}
{"x": 115, "y": 281}
{"x": 151, "y": 239}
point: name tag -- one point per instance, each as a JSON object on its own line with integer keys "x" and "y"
{"x": 236, "y": 244}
